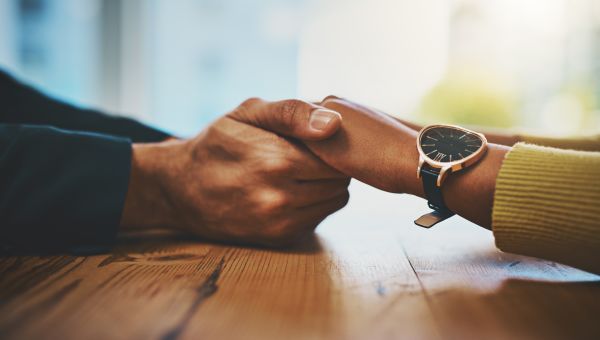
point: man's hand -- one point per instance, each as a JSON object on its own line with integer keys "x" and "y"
{"x": 238, "y": 182}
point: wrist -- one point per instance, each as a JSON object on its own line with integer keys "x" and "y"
{"x": 407, "y": 163}
{"x": 146, "y": 204}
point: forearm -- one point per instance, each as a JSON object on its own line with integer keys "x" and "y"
{"x": 60, "y": 190}
{"x": 583, "y": 143}
{"x": 382, "y": 152}
{"x": 469, "y": 192}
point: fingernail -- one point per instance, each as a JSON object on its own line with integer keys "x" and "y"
{"x": 320, "y": 118}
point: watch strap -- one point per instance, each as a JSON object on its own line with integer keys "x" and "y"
{"x": 430, "y": 219}
{"x": 435, "y": 199}
{"x": 433, "y": 193}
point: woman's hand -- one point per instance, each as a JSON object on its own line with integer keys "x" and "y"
{"x": 381, "y": 151}
{"x": 371, "y": 147}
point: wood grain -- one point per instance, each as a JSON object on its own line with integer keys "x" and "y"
{"x": 367, "y": 274}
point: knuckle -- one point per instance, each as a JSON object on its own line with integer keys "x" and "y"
{"x": 277, "y": 165}
{"x": 292, "y": 108}
{"x": 213, "y": 133}
{"x": 341, "y": 184}
{"x": 250, "y": 102}
{"x": 343, "y": 201}
{"x": 273, "y": 202}
{"x": 243, "y": 110}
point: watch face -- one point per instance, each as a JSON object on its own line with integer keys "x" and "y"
{"x": 448, "y": 144}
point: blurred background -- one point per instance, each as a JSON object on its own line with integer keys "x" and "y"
{"x": 179, "y": 64}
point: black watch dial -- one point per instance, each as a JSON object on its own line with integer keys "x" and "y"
{"x": 447, "y": 144}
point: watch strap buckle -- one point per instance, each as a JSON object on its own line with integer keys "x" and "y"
{"x": 430, "y": 219}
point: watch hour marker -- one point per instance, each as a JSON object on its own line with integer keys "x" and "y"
{"x": 439, "y": 133}
{"x": 461, "y": 156}
{"x": 450, "y": 157}
{"x": 428, "y": 145}
{"x": 431, "y": 138}
{"x": 461, "y": 137}
{"x": 439, "y": 157}
{"x": 427, "y": 154}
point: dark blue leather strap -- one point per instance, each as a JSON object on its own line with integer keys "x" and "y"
{"x": 432, "y": 191}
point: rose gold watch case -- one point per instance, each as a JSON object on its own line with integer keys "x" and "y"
{"x": 448, "y": 167}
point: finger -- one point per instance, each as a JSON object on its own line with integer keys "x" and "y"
{"x": 280, "y": 157}
{"x": 324, "y": 100}
{"x": 357, "y": 151}
{"x": 329, "y": 97}
{"x": 303, "y": 220}
{"x": 331, "y": 100}
{"x": 306, "y": 166}
{"x": 292, "y": 118}
{"x": 307, "y": 193}
{"x": 311, "y": 216}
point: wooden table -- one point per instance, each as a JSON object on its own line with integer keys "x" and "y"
{"x": 369, "y": 273}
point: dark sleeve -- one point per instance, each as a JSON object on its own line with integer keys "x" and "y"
{"x": 60, "y": 190}
{"x": 21, "y": 104}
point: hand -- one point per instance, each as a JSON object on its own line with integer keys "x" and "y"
{"x": 381, "y": 151}
{"x": 371, "y": 147}
{"x": 237, "y": 182}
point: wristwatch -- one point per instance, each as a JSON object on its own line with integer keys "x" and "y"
{"x": 444, "y": 149}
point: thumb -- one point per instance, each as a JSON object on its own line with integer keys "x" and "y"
{"x": 291, "y": 118}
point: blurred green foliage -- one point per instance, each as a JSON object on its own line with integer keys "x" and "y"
{"x": 583, "y": 92}
{"x": 469, "y": 99}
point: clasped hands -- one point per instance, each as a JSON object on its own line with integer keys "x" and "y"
{"x": 268, "y": 173}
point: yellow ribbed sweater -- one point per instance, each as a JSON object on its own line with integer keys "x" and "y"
{"x": 547, "y": 201}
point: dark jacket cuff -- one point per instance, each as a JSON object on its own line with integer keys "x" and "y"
{"x": 61, "y": 190}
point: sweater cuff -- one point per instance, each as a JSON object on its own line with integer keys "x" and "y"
{"x": 585, "y": 143}
{"x": 546, "y": 205}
